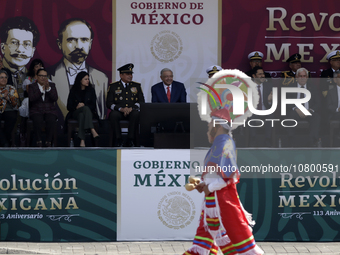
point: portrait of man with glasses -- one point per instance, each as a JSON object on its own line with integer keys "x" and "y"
{"x": 19, "y": 37}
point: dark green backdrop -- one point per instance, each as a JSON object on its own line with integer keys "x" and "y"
{"x": 308, "y": 211}
{"x": 92, "y": 212}
{"x": 308, "y": 220}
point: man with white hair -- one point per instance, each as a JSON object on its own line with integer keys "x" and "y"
{"x": 294, "y": 62}
{"x": 312, "y": 106}
{"x": 168, "y": 90}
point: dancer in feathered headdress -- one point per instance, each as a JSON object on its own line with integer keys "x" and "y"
{"x": 224, "y": 223}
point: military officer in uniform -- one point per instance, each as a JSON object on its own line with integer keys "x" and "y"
{"x": 330, "y": 73}
{"x": 211, "y": 70}
{"x": 294, "y": 64}
{"x": 255, "y": 59}
{"x": 124, "y": 98}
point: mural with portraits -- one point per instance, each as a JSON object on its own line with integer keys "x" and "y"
{"x": 68, "y": 36}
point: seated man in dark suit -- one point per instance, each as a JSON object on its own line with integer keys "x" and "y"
{"x": 313, "y": 107}
{"x": 333, "y": 100}
{"x": 264, "y": 89}
{"x": 42, "y": 106}
{"x": 168, "y": 91}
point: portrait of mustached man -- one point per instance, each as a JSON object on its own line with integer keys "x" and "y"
{"x": 75, "y": 38}
{"x": 19, "y": 37}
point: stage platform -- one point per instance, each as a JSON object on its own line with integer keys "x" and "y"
{"x": 101, "y": 194}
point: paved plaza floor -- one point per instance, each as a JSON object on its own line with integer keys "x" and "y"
{"x": 159, "y": 248}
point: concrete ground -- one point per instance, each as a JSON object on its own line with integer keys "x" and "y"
{"x": 159, "y": 248}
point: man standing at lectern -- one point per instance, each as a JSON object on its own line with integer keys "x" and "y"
{"x": 168, "y": 91}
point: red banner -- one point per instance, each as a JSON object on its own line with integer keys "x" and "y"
{"x": 280, "y": 29}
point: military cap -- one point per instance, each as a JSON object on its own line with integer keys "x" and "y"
{"x": 126, "y": 68}
{"x": 255, "y": 55}
{"x": 213, "y": 69}
{"x": 294, "y": 58}
{"x": 333, "y": 54}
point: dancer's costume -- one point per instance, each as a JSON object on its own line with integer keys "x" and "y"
{"x": 223, "y": 222}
